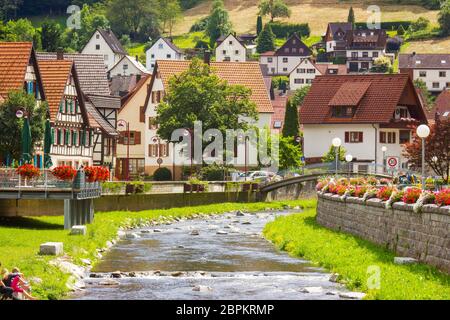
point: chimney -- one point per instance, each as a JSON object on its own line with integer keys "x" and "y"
{"x": 60, "y": 54}
{"x": 414, "y": 53}
{"x": 207, "y": 58}
{"x": 137, "y": 58}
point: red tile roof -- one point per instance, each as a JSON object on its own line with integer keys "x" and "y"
{"x": 443, "y": 102}
{"x": 55, "y": 74}
{"x": 377, "y": 95}
{"x": 14, "y": 59}
{"x": 247, "y": 74}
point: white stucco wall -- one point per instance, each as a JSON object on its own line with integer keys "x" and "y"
{"x": 91, "y": 48}
{"x": 234, "y": 50}
{"x": 160, "y": 51}
{"x": 432, "y": 75}
{"x": 305, "y": 64}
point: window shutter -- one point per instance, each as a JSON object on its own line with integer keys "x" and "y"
{"x": 61, "y": 107}
{"x": 360, "y": 137}
{"x": 382, "y": 137}
{"x": 347, "y": 137}
{"x": 394, "y": 137}
{"x": 141, "y": 114}
{"x": 122, "y": 138}
{"x": 67, "y": 141}
{"x": 137, "y": 137}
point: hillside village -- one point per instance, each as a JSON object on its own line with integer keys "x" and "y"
{"x": 103, "y": 103}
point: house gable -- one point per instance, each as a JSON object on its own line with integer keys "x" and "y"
{"x": 294, "y": 46}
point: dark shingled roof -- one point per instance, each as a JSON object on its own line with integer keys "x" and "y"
{"x": 97, "y": 121}
{"x": 106, "y": 102}
{"x": 90, "y": 69}
{"x": 376, "y": 97}
{"x": 424, "y": 61}
{"x": 336, "y": 26}
{"x": 112, "y": 41}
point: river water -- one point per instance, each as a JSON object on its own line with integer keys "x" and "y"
{"x": 228, "y": 259}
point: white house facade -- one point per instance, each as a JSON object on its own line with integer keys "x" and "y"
{"x": 127, "y": 66}
{"x": 433, "y": 69}
{"x": 306, "y": 71}
{"x": 231, "y": 49}
{"x": 162, "y": 49}
{"x": 286, "y": 58}
{"x": 105, "y": 43}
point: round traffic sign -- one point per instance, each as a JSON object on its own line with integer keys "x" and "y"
{"x": 392, "y": 162}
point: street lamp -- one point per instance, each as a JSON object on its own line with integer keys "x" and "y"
{"x": 122, "y": 124}
{"x": 423, "y": 131}
{"x": 384, "y": 149}
{"x": 337, "y": 144}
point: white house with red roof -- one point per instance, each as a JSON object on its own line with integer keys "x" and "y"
{"x": 307, "y": 70}
{"x": 286, "y": 58}
{"x": 366, "y": 112}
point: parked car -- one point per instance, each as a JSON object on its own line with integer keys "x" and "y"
{"x": 262, "y": 176}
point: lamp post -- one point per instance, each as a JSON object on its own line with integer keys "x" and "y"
{"x": 384, "y": 149}
{"x": 122, "y": 124}
{"x": 337, "y": 144}
{"x": 26, "y": 135}
{"x": 423, "y": 131}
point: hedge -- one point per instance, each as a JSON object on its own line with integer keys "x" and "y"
{"x": 281, "y": 30}
{"x": 387, "y": 25}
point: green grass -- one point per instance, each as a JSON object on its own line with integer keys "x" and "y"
{"x": 189, "y": 40}
{"x": 350, "y": 257}
{"x": 20, "y": 238}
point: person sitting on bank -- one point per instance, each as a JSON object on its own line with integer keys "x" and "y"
{"x": 16, "y": 281}
{"x": 5, "y": 291}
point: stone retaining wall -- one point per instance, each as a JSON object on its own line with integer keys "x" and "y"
{"x": 138, "y": 202}
{"x": 424, "y": 236}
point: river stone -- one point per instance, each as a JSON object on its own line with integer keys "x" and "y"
{"x": 180, "y": 247}
{"x": 246, "y": 222}
{"x": 312, "y": 290}
{"x": 109, "y": 282}
{"x": 404, "y": 260}
{"x": 157, "y": 230}
{"x": 352, "y": 295}
{"x": 78, "y": 231}
{"x": 86, "y": 262}
{"x": 195, "y": 233}
{"x": 146, "y": 231}
{"x": 334, "y": 277}
{"x": 239, "y": 214}
{"x": 51, "y": 249}
{"x": 177, "y": 274}
{"x": 116, "y": 274}
{"x": 202, "y": 288}
{"x": 221, "y": 232}
{"x": 132, "y": 235}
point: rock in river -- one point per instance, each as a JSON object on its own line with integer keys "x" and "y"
{"x": 202, "y": 288}
{"x": 195, "y": 233}
{"x": 221, "y": 232}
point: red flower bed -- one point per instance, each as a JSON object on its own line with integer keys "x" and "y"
{"x": 443, "y": 197}
{"x": 96, "y": 174}
{"x": 360, "y": 191}
{"x": 384, "y": 193}
{"x": 28, "y": 171}
{"x": 332, "y": 188}
{"x": 341, "y": 189}
{"x": 411, "y": 195}
{"x": 65, "y": 173}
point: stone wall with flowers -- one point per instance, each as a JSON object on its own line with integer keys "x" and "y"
{"x": 412, "y": 224}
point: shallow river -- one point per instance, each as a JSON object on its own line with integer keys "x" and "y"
{"x": 228, "y": 259}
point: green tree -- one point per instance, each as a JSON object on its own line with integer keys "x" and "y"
{"x": 422, "y": 86}
{"x": 51, "y": 34}
{"x": 330, "y": 156}
{"x": 8, "y": 9}
{"x": 290, "y": 153}
{"x": 351, "y": 16}
{"x": 420, "y": 24}
{"x": 259, "y": 25}
{"x": 401, "y": 31}
{"x": 444, "y": 18}
{"x": 218, "y": 22}
{"x": 138, "y": 18}
{"x": 266, "y": 40}
{"x": 11, "y": 127}
{"x": 291, "y": 125}
{"x": 299, "y": 95}
{"x": 274, "y": 9}
{"x": 198, "y": 94}
{"x": 382, "y": 64}
{"x": 19, "y": 30}
{"x": 169, "y": 14}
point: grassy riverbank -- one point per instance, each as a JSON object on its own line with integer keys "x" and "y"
{"x": 20, "y": 238}
{"x": 350, "y": 257}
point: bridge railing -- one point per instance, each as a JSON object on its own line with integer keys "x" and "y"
{"x": 80, "y": 188}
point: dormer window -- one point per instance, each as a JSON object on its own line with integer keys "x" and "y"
{"x": 343, "y": 112}
{"x": 401, "y": 113}
{"x": 161, "y": 46}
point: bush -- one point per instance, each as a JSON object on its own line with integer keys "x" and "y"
{"x": 394, "y": 44}
{"x": 213, "y": 173}
{"x": 162, "y": 174}
{"x": 282, "y": 30}
{"x": 199, "y": 25}
{"x": 385, "y": 193}
{"x": 420, "y": 24}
